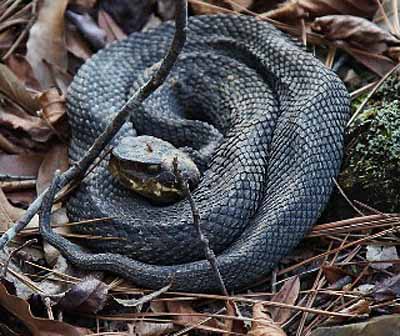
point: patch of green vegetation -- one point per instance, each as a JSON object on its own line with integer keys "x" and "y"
{"x": 371, "y": 170}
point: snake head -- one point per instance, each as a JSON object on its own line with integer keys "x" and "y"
{"x": 145, "y": 165}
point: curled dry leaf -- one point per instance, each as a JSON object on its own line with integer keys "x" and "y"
{"x": 36, "y": 128}
{"x": 288, "y": 293}
{"x": 264, "y": 325}
{"x": 333, "y": 273}
{"x": 15, "y": 90}
{"x": 87, "y": 296}
{"x": 357, "y": 32}
{"x": 388, "y": 289}
{"x": 8, "y": 213}
{"x": 52, "y": 105}
{"x": 46, "y": 47}
{"x": 292, "y": 10}
{"x": 23, "y": 70}
{"x": 37, "y": 326}
{"x": 186, "y": 316}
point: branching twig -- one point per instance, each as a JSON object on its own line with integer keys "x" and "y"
{"x": 12, "y": 254}
{"x": 78, "y": 168}
{"x": 209, "y": 253}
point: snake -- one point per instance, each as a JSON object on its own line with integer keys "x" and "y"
{"x": 261, "y": 117}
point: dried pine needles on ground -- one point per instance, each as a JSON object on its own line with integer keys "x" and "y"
{"x": 347, "y": 269}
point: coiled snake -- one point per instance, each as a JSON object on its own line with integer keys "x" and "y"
{"x": 268, "y": 116}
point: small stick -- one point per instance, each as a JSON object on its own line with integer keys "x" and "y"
{"x": 11, "y": 178}
{"x": 209, "y": 253}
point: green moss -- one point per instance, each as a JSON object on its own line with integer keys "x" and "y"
{"x": 372, "y": 162}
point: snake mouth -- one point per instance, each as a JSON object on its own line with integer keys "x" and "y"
{"x": 152, "y": 187}
{"x": 144, "y": 165}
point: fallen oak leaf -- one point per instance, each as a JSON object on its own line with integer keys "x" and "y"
{"x": 357, "y": 32}
{"x": 389, "y": 289}
{"x": 37, "y": 326}
{"x": 289, "y": 294}
{"x": 333, "y": 273}
{"x": 87, "y": 296}
{"x": 15, "y": 90}
{"x": 8, "y": 213}
{"x": 52, "y": 105}
{"x": 263, "y": 324}
{"x": 46, "y": 47}
{"x": 186, "y": 315}
{"x": 18, "y": 64}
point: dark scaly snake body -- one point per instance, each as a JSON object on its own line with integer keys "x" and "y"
{"x": 271, "y": 115}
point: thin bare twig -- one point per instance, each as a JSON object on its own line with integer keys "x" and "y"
{"x": 209, "y": 253}
{"x": 78, "y": 168}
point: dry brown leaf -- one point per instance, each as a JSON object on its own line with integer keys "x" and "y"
{"x": 46, "y": 47}
{"x": 52, "y": 105}
{"x": 292, "y": 10}
{"x": 8, "y": 147}
{"x": 55, "y": 159}
{"x": 357, "y": 32}
{"x": 76, "y": 44}
{"x": 23, "y": 70}
{"x": 8, "y": 213}
{"x": 186, "y": 310}
{"x": 264, "y": 325}
{"x": 15, "y": 90}
{"x": 288, "y": 293}
{"x": 333, "y": 273}
{"x": 37, "y": 326}
{"x": 201, "y": 7}
{"x": 113, "y": 31}
{"x": 87, "y": 296}
{"x": 389, "y": 289}
{"x": 17, "y": 119}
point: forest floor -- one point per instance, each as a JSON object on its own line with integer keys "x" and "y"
{"x": 343, "y": 279}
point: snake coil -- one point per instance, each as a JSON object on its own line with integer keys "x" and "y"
{"x": 268, "y": 115}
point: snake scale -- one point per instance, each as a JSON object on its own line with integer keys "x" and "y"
{"x": 268, "y": 116}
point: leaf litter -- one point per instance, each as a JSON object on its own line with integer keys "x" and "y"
{"x": 346, "y": 270}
